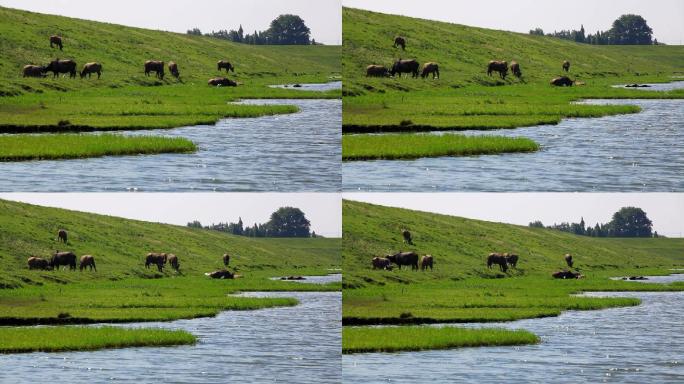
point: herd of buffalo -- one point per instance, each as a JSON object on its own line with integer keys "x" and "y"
{"x": 503, "y": 260}
{"x": 411, "y": 66}
{"x": 68, "y": 259}
{"x": 58, "y": 67}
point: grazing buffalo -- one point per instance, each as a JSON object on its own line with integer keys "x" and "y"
{"x": 222, "y": 82}
{"x": 63, "y": 258}
{"x": 56, "y": 40}
{"x": 87, "y": 261}
{"x": 381, "y": 263}
{"x": 430, "y": 68}
{"x": 173, "y": 68}
{"x": 158, "y": 259}
{"x": 404, "y": 258}
{"x": 407, "y": 236}
{"x": 62, "y": 235}
{"x": 566, "y": 66}
{"x": 220, "y": 274}
{"x": 156, "y": 67}
{"x": 377, "y": 71}
{"x": 33, "y": 71}
{"x": 58, "y": 66}
{"x": 400, "y": 42}
{"x": 515, "y": 68}
{"x": 562, "y": 81}
{"x": 173, "y": 261}
{"x": 225, "y": 64}
{"x": 498, "y": 66}
{"x": 405, "y": 66}
{"x": 226, "y": 259}
{"x": 497, "y": 258}
{"x": 511, "y": 259}
{"x": 568, "y": 260}
{"x": 38, "y": 263}
{"x": 425, "y": 262}
{"x": 90, "y": 68}
{"x": 566, "y": 275}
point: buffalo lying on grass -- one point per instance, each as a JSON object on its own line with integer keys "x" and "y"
{"x": 33, "y": 71}
{"x": 425, "y": 262}
{"x": 156, "y": 67}
{"x": 158, "y": 259}
{"x": 562, "y": 81}
{"x": 498, "y": 66}
{"x": 381, "y": 263}
{"x": 56, "y": 40}
{"x": 404, "y": 258}
{"x": 220, "y": 274}
{"x": 566, "y": 275}
{"x": 38, "y": 263}
{"x": 87, "y": 261}
{"x": 400, "y": 42}
{"x": 63, "y": 258}
{"x": 223, "y": 64}
{"x": 377, "y": 71}
{"x": 90, "y": 68}
{"x": 499, "y": 259}
{"x": 405, "y": 66}
{"x": 222, "y": 82}
{"x": 58, "y": 66}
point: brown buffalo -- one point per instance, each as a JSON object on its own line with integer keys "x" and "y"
{"x": 381, "y": 263}
{"x": 173, "y": 68}
{"x": 58, "y": 66}
{"x": 63, "y": 258}
{"x": 225, "y": 64}
{"x": 221, "y": 274}
{"x": 405, "y": 66}
{"x": 377, "y": 71}
{"x": 566, "y": 275}
{"x": 156, "y": 67}
{"x": 90, "y": 68}
{"x": 226, "y": 259}
{"x": 87, "y": 261}
{"x": 56, "y": 40}
{"x": 498, "y": 66}
{"x": 407, "y": 236}
{"x": 404, "y": 258}
{"x": 511, "y": 259}
{"x": 222, "y": 82}
{"x": 430, "y": 68}
{"x": 568, "y": 260}
{"x": 566, "y": 66}
{"x": 562, "y": 81}
{"x": 515, "y": 68}
{"x": 33, "y": 71}
{"x": 425, "y": 262}
{"x": 62, "y": 235}
{"x": 38, "y": 263}
{"x": 499, "y": 259}
{"x": 173, "y": 261}
{"x": 400, "y": 42}
{"x": 158, "y": 259}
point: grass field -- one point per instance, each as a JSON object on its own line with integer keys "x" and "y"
{"x": 464, "y": 97}
{"x": 21, "y": 340}
{"x": 462, "y": 289}
{"x": 72, "y": 146}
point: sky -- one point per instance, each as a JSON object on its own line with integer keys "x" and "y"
{"x": 664, "y": 209}
{"x": 323, "y": 17}
{"x": 323, "y": 210}
{"x": 665, "y": 17}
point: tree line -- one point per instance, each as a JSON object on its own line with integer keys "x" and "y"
{"x": 626, "y": 30}
{"x": 627, "y": 222}
{"x": 285, "y": 222}
{"x": 284, "y": 30}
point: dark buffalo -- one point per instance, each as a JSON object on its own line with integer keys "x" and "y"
{"x": 515, "y": 68}
{"x": 566, "y": 66}
{"x": 498, "y": 66}
{"x": 430, "y": 68}
{"x": 568, "y": 260}
{"x": 56, "y": 40}
{"x": 400, "y": 42}
{"x": 173, "y": 261}
{"x": 90, "y": 68}
{"x": 566, "y": 275}
{"x": 511, "y": 259}
{"x": 222, "y": 82}
{"x": 404, "y": 258}
{"x": 226, "y": 259}
{"x": 173, "y": 68}
{"x": 156, "y": 67}
{"x": 158, "y": 259}
{"x": 377, "y": 71}
{"x": 58, "y": 66}
{"x": 33, "y": 71}
{"x": 63, "y": 258}
{"x": 225, "y": 64}
{"x": 87, "y": 261}
{"x": 499, "y": 259}
{"x": 425, "y": 262}
{"x": 405, "y": 66}
{"x": 38, "y": 263}
{"x": 220, "y": 274}
{"x": 407, "y": 236}
{"x": 62, "y": 235}
{"x": 562, "y": 81}
{"x": 381, "y": 263}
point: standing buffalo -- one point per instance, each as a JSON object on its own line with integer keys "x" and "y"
{"x": 407, "y": 236}
{"x": 381, "y": 263}
{"x": 405, "y": 258}
{"x": 430, "y": 68}
{"x": 173, "y": 261}
{"x": 515, "y": 68}
{"x": 562, "y": 81}
{"x": 497, "y": 258}
{"x": 511, "y": 259}
{"x": 568, "y": 260}
{"x": 90, "y": 68}
{"x": 222, "y": 81}
{"x": 400, "y": 42}
{"x": 405, "y": 66}
{"x": 377, "y": 71}
{"x": 225, "y": 64}
{"x": 425, "y": 262}
{"x": 498, "y": 66}
{"x": 58, "y": 66}
{"x": 226, "y": 259}
{"x": 566, "y": 66}
{"x": 158, "y": 259}
{"x": 173, "y": 68}
{"x": 38, "y": 263}
{"x": 56, "y": 40}
{"x": 33, "y": 71}
{"x": 63, "y": 258}
{"x": 155, "y": 66}
{"x": 87, "y": 261}
{"x": 62, "y": 235}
